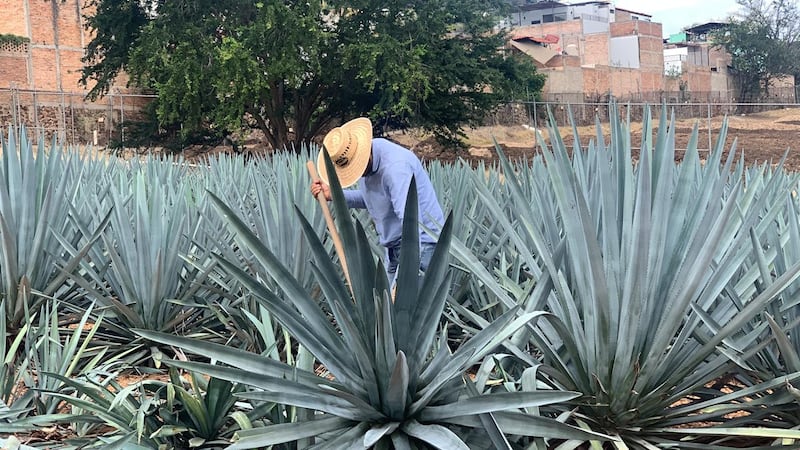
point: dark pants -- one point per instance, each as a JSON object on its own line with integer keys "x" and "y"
{"x": 393, "y": 260}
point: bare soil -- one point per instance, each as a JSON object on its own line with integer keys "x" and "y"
{"x": 761, "y": 137}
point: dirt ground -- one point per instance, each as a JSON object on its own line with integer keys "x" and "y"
{"x": 762, "y": 137}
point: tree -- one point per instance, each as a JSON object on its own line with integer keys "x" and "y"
{"x": 116, "y": 26}
{"x": 763, "y": 43}
{"x": 294, "y": 68}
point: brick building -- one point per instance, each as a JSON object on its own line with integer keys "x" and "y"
{"x": 42, "y": 43}
{"x": 591, "y": 50}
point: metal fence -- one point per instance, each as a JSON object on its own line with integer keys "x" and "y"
{"x": 707, "y": 114}
{"x": 69, "y": 117}
{"x": 536, "y": 113}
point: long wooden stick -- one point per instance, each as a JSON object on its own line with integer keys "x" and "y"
{"x": 337, "y": 242}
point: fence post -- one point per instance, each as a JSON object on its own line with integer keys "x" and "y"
{"x": 62, "y": 120}
{"x": 36, "y": 124}
{"x": 16, "y": 104}
{"x": 72, "y": 118}
{"x": 709, "y": 127}
{"x": 122, "y": 118}
{"x": 110, "y": 117}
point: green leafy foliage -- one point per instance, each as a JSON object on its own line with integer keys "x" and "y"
{"x": 763, "y": 44}
{"x": 117, "y": 26}
{"x": 13, "y": 39}
{"x": 291, "y": 69}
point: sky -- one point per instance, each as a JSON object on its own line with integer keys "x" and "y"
{"x": 678, "y": 14}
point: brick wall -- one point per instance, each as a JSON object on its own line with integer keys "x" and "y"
{"x": 651, "y": 53}
{"x": 597, "y": 80}
{"x": 625, "y": 28}
{"x": 13, "y": 17}
{"x": 625, "y": 82}
{"x": 14, "y": 68}
{"x": 569, "y": 33}
{"x": 595, "y": 50}
{"x": 57, "y": 41}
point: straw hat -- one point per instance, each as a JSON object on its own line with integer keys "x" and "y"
{"x": 349, "y": 147}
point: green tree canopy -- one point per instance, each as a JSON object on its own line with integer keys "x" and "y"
{"x": 763, "y": 43}
{"x": 294, "y": 68}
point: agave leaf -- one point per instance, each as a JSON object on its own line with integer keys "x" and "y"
{"x": 417, "y": 340}
{"x": 407, "y": 277}
{"x": 528, "y": 425}
{"x": 787, "y": 351}
{"x": 401, "y": 442}
{"x": 311, "y": 331}
{"x": 281, "y": 433}
{"x": 306, "y": 306}
{"x": 237, "y": 358}
{"x": 397, "y": 392}
{"x": 288, "y": 392}
{"x": 436, "y": 435}
{"x": 723, "y": 431}
{"x": 493, "y": 430}
{"x": 495, "y": 402}
{"x": 352, "y": 439}
{"x": 471, "y": 352}
{"x": 377, "y": 432}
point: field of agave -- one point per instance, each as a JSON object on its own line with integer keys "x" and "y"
{"x": 581, "y": 299}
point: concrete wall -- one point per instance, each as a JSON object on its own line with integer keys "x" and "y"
{"x": 624, "y": 52}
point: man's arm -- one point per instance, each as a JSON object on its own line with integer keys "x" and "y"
{"x": 354, "y": 198}
{"x": 398, "y": 184}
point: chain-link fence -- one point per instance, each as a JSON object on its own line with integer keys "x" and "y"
{"x": 69, "y": 117}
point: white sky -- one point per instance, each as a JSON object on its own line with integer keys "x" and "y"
{"x": 678, "y": 14}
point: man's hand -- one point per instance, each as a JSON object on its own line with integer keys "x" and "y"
{"x": 317, "y": 187}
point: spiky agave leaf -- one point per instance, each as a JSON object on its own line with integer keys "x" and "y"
{"x": 33, "y": 190}
{"x": 394, "y": 381}
{"x": 641, "y": 274}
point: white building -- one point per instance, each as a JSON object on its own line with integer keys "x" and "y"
{"x": 596, "y": 15}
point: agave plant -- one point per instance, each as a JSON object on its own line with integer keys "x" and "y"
{"x": 140, "y": 274}
{"x": 639, "y": 264}
{"x": 100, "y": 400}
{"x": 261, "y": 194}
{"x": 51, "y": 349}
{"x": 33, "y": 192}
{"x": 775, "y": 359}
{"x": 391, "y": 381}
{"x": 45, "y": 347}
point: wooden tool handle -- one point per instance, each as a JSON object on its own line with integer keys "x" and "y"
{"x": 337, "y": 242}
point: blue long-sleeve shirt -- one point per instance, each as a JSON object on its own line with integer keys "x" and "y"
{"x": 382, "y": 191}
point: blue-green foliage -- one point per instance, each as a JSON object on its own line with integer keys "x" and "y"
{"x": 654, "y": 283}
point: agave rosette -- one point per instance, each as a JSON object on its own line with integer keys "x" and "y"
{"x": 393, "y": 381}
{"x": 640, "y": 262}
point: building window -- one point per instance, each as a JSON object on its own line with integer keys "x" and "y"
{"x": 548, "y": 18}
{"x": 535, "y": 22}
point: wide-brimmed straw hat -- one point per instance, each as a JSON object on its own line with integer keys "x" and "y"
{"x": 349, "y": 147}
